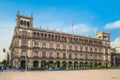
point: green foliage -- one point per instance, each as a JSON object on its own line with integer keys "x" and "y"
{"x": 4, "y": 62}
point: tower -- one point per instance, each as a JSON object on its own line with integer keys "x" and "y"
{"x": 103, "y": 36}
{"x": 24, "y": 21}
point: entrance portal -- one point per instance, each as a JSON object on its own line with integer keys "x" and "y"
{"x": 22, "y": 65}
{"x": 35, "y": 64}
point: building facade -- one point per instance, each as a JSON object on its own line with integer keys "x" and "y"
{"x": 31, "y": 47}
{"x": 115, "y": 57}
{"x": 117, "y": 49}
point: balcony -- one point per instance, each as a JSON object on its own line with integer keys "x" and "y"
{"x": 24, "y": 46}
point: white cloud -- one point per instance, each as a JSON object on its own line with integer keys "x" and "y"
{"x": 84, "y": 29}
{"x": 116, "y": 43}
{"x": 113, "y": 25}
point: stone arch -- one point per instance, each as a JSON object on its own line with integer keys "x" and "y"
{"x": 21, "y": 22}
{"x": 28, "y": 24}
{"x": 35, "y": 64}
{"x": 76, "y": 65}
{"x": 70, "y": 65}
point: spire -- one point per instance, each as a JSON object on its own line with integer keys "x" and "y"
{"x": 73, "y": 27}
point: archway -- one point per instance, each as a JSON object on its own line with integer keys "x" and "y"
{"x": 81, "y": 64}
{"x": 50, "y": 64}
{"x": 22, "y": 64}
{"x": 86, "y": 65}
{"x": 90, "y": 64}
{"x": 58, "y": 64}
{"x": 75, "y": 65}
{"x": 43, "y": 64}
{"x": 35, "y": 64}
{"x": 70, "y": 65}
{"x": 64, "y": 64}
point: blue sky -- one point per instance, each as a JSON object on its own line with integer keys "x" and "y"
{"x": 88, "y": 17}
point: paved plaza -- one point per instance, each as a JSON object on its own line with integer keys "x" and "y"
{"x": 113, "y": 74}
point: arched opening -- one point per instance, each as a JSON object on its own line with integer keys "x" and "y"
{"x": 22, "y": 64}
{"x": 64, "y": 63}
{"x": 86, "y": 65}
{"x": 70, "y": 56}
{"x": 24, "y": 23}
{"x": 58, "y": 55}
{"x": 21, "y": 22}
{"x": 75, "y": 65}
{"x": 44, "y": 64}
{"x": 35, "y": 64}
{"x": 91, "y": 64}
{"x": 64, "y": 56}
{"x": 81, "y": 65}
{"x": 50, "y": 64}
{"x": 70, "y": 65}
{"x": 58, "y": 64}
{"x": 28, "y": 24}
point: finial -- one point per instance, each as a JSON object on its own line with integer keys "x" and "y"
{"x": 18, "y": 12}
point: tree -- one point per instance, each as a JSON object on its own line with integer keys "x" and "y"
{"x": 4, "y": 62}
{"x": 4, "y": 50}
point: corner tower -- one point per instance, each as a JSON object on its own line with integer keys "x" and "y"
{"x": 103, "y": 36}
{"x": 24, "y": 21}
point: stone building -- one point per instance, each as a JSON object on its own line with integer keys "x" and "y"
{"x": 32, "y": 47}
{"x": 115, "y": 57}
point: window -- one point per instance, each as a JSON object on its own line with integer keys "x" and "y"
{"x": 51, "y": 45}
{"x": 64, "y": 46}
{"x": 58, "y": 54}
{"x": 24, "y": 42}
{"x": 35, "y": 54}
{"x": 70, "y": 47}
{"x": 51, "y": 54}
{"x": 44, "y": 44}
{"x": 58, "y": 46}
{"x": 23, "y": 53}
{"x": 76, "y": 55}
{"x": 64, "y": 55}
{"x": 76, "y": 47}
{"x": 43, "y": 54}
{"x": 36, "y": 44}
{"x": 70, "y": 56}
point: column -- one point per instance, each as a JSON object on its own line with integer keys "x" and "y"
{"x": 39, "y": 63}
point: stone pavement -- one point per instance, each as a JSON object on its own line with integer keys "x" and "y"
{"x": 108, "y": 74}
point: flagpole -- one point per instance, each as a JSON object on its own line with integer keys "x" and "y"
{"x": 72, "y": 26}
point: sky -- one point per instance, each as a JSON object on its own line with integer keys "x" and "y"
{"x": 86, "y": 16}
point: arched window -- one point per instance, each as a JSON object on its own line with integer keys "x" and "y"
{"x": 76, "y": 56}
{"x": 21, "y": 22}
{"x": 58, "y": 55}
{"x": 70, "y": 56}
{"x": 51, "y": 55}
{"x": 28, "y": 24}
{"x": 52, "y": 37}
{"x": 24, "y": 23}
{"x": 64, "y": 55}
{"x": 38, "y": 35}
{"x": 44, "y": 54}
